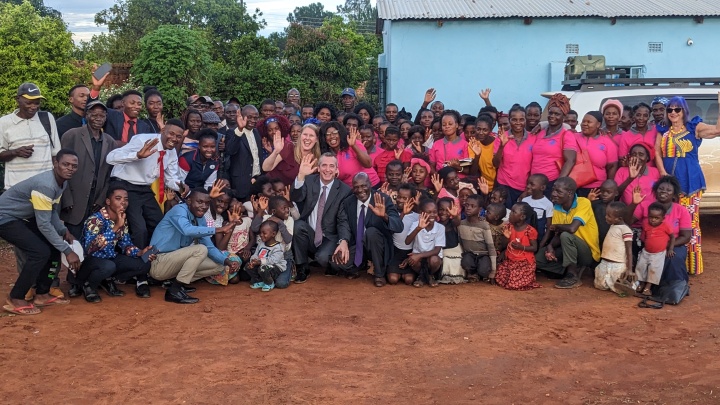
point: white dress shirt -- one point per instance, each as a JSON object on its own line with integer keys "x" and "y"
{"x": 313, "y": 215}
{"x": 250, "y": 136}
{"x": 361, "y": 204}
{"x": 143, "y": 172}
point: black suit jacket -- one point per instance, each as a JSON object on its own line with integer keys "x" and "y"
{"x": 116, "y": 120}
{"x": 334, "y": 220}
{"x": 394, "y": 224}
{"x": 239, "y": 162}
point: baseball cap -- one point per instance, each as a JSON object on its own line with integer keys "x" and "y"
{"x": 348, "y": 91}
{"x": 207, "y": 99}
{"x": 95, "y": 103}
{"x": 29, "y": 91}
{"x": 210, "y": 118}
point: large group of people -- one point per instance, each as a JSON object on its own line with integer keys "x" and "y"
{"x": 116, "y": 193}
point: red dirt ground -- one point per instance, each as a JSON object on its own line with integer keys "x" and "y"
{"x": 335, "y": 341}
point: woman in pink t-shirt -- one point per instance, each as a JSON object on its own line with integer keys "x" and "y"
{"x": 600, "y": 148}
{"x": 449, "y": 150}
{"x": 514, "y": 157}
{"x": 351, "y": 154}
{"x": 641, "y": 131}
{"x": 554, "y": 144}
{"x": 638, "y": 172}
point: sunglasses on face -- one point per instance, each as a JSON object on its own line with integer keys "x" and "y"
{"x": 676, "y": 110}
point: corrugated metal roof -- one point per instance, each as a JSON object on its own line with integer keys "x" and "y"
{"x": 472, "y": 9}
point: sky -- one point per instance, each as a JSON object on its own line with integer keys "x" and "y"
{"x": 80, "y": 14}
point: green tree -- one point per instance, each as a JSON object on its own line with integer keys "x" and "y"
{"x": 361, "y": 12}
{"x": 35, "y": 49}
{"x": 177, "y": 60}
{"x": 312, "y": 15}
{"x": 39, "y": 6}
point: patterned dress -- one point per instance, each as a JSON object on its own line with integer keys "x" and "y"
{"x": 680, "y": 158}
{"x": 517, "y": 271}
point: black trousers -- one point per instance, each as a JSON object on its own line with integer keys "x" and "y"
{"x": 39, "y": 253}
{"x": 143, "y": 212}
{"x": 94, "y": 269}
{"x": 373, "y": 249}
{"x": 303, "y": 246}
{"x": 476, "y": 264}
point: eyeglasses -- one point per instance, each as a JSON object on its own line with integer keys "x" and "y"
{"x": 675, "y": 110}
{"x": 332, "y": 133}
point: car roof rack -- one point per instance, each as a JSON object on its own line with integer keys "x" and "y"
{"x": 590, "y": 81}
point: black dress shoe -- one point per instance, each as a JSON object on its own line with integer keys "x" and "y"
{"x": 75, "y": 291}
{"x": 301, "y": 278}
{"x": 91, "y": 295}
{"x": 188, "y": 289}
{"x": 330, "y": 272}
{"x": 179, "y": 297}
{"x": 142, "y": 291}
{"x": 111, "y": 288}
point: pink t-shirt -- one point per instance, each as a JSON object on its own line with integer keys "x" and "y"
{"x": 444, "y": 193}
{"x": 378, "y": 150}
{"x": 349, "y": 166}
{"x": 547, "y": 151}
{"x": 645, "y": 181}
{"x": 630, "y": 137}
{"x": 678, "y": 218}
{"x": 443, "y": 151}
{"x": 602, "y": 151}
{"x": 516, "y": 162}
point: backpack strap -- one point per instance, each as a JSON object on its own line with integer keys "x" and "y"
{"x": 45, "y": 121}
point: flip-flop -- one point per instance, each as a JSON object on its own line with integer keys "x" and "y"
{"x": 568, "y": 283}
{"x": 53, "y": 301}
{"x": 21, "y": 310}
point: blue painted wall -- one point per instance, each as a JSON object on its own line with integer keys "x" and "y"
{"x": 521, "y": 61}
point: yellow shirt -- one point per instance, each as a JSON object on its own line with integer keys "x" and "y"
{"x": 487, "y": 169}
{"x": 581, "y": 210}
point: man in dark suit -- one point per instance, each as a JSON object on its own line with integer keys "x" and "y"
{"x": 243, "y": 153}
{"x": 322, "y": 229}
{"x": 373, "y": 219}
{"x": 123, "y": 125}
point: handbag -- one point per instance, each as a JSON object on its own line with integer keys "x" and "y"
{"x": 583, "y": 172}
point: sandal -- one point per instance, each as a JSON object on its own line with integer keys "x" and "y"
{"x": 418, "y": 283}
{"x": 571, "y": 280}
{"x": 29, "y": 309}
{"x": 52, "y": 301}
{"x": 432, "y": 282}
{"x": 380, "y": 281}
{"x": 647, "y": 291}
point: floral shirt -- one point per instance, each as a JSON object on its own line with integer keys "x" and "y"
{"x": 99, "y": 240}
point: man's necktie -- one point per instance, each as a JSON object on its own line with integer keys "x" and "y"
{"x": 318, "y": 221}
{"x": 359, "y": 237}
{"x": 161, "y": 180}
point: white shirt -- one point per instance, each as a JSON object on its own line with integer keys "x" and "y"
{"x": 143, "y": 172}
{"x": 250, "y": 136}
{"x": 16, "y": 132}
{"x": 399, "y": 238}
{"x": 541, "y": 206}
{"x": 426, "y": 241}
{"x": 361, "y": 204}
{"x": 313, "y": 215}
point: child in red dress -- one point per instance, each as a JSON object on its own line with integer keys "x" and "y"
{"x": 517, "y": 271}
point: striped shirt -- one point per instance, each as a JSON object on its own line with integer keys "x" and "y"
{"x": 16, "y": 132}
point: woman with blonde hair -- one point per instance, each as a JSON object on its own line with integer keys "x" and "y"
{"x": 284, "y": 161}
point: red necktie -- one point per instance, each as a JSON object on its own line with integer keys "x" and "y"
{"x": 161, "y": 186}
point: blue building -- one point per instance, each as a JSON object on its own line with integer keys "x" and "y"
{"x": 519, "y": 47}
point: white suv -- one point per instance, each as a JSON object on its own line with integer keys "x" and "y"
{"x": 701, "y": 96}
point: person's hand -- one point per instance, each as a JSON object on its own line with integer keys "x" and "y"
{"x": 73, "y": 261}
{"x": 254, "y": 203}
{"x": 670, "y": 253}
{"x": 143, "y": 251}
{"x": 23, "y": 151}
{"x": 638, "y": 196}
{"x": 342, "y": 253}
{"x": 385, "y": 188}
{"x": 245, "y": 253}
{"x": 120, "y": 223}
{"x": 286, "y": 193}
{"x": 278, "y": 142}
{"x": 413, "y": 259}
{"x": 406, "y": 174}
{"x": 594, "y": 194}
{"x": 353, "y": 135}
{"x": 235, "y": 213}
{"x": 227, "y": 227}
{"x": 233, "y": 265}
{"x": 454, "y": 210}
{"x": 517, "y": 245}
{"x": 408, "y": 207}
{"x": 537, "y": 129}
{"x": 148, "y": 149}
{"x": 552, "y": 228}
{"x": 483, "y": 186}
{"x": 455, "y": 164}
{"x": 424, "y": 220}
{"x": 503, "y": 135}
{"x": 254, "y": 263}
{"x": 184, "y": 189}
{"x": 428, "y": 134}
{"x": 267, "y": 145}
{"x": 69, "y": 238}
{"x": 98, "y": 83}
{"x": 634, "y": 167}
{"x": 161, "y": 121}
{"x": 170, "y": 194}
{"x": 475, "y": 146}
{"x": 404, "y": 263}
{"x": 550, "y": 256}
{"x": 241, "y": 121}
{"x": 429, "y": 96}
{"x": 308, "y": 166}
{"x": 436, "y": 182}
{"x": 629, "y": 275}
{"x": 221, "y": 144}
{"x": 262, "y": 203}
{"x": 379, "y": 207}
{"x": 217, "y": 188}
{"x": 507, "y": 230}
{"x": 491, "y": 280}
{"x": 398, "y": 153}
{"x": 485, "y": 94}
{"x": 623, "y": 161}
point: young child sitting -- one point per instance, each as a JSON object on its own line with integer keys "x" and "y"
{"x": 268, "y": 262}
{"x": 534, "y": 195}
{"x": 616, "y": 249}
{"x": 278, "y": 209}
{"x": 600, "y": 200}
{"x": 479, "y": 258}
{"x": 494, "y": 216}
{"x": 391, "y": 151}
{"x": 279, "y": 188}
{"x": 448, "y": 216}
{"x": 427, "y": 238}
{"x": 517, "y": 271}
{"x": 407, "y": 204}
{"x": 659, "y": 240}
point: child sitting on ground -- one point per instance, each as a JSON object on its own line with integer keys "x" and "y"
{"x": 517, "y": 271}
{"x": 268, "y": 262}
{"x": 448, "y": 216}
{"x": 534, "y": 195}
{"x": 479, "y": 258}
{"x": 600, "y": 200}
{"x": 279, "y": 188}
{"x": 278, "y": 209}
{"x": 616, "y": 249}
{"x": 659, "y": 240}
{"x": 407, "y": 204}
{"x": 427, "y": 238}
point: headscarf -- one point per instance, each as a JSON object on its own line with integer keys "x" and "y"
{"x": 612, "y": 103}
{"x": 560, "y": 101}
{"x": 421, "y": 162}
{"x": 597, "y": 114}
{"x": 660, "y": 100}
{"x": 469, "y": 186}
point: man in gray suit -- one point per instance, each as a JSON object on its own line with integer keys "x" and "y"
{"x": 323, "y": 228}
